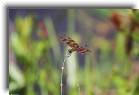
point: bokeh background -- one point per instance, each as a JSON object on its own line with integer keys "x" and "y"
{"x": 36, "y": 52}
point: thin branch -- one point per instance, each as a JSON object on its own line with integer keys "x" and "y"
{"x": 78, "y": 89}
{"x": 62, "y": 70}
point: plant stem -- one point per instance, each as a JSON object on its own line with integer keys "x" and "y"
{"x": 62, "y": 70}
{"x": 78, "y": 89}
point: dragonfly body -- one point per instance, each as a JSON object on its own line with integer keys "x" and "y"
{"x": 74, "y": 46}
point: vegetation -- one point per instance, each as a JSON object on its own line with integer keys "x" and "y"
{"x": 36, "y": 53}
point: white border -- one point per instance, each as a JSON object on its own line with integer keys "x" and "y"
{"x": 2, "y": 51}
{"x": 59, "y": 3}
{"x": 136, "y": 4}
{"x": 65, "y": 3}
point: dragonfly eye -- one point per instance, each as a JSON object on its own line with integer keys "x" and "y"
{"x": 70, "y": 51}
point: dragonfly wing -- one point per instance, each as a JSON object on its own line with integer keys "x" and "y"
{"x": 70, "y": 42}
{"x": 83, "y": 50}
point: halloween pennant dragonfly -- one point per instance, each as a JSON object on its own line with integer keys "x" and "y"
{"x": 74, "y": 46}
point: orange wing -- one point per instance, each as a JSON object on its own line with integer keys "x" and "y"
{"x": 70, "y": 42}
{"x": 83, "y": 50}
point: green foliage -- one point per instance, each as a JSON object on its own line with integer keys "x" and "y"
{"x": 30, "y": 54}
{"x": 16, "y": 79}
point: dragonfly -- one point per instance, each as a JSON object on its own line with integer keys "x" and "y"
{"x": 74, "y": 46}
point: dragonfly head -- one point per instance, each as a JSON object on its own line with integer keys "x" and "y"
{"x": 71, "y": 50}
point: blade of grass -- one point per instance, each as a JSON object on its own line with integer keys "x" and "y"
{"x": 53, "y": 38}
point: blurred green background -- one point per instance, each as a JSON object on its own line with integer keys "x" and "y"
{"x": 36, "y": 53}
